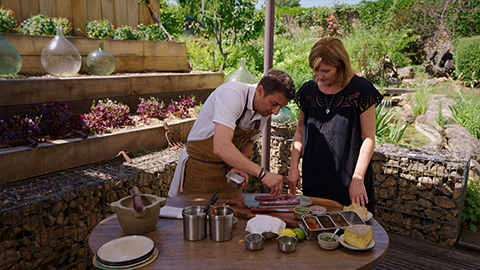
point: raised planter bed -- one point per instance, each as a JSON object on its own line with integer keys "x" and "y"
{"x": 130, "y": 55}
{"x": 18, "y": 163}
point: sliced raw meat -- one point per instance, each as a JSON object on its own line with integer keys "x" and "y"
{"x": 263, "y": 198}
{"x": 293, "y": 201}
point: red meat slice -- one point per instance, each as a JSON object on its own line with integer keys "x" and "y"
{"x": 293, "y": 201}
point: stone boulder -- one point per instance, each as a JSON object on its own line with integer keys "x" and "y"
{"x": 406, "y": 73}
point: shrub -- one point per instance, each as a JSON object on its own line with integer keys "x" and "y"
{"x": 151, "y": 32}
{"x": 126, "y": 33}
{"x": 106, "y": 115}
{"x": 7, "y": 21}
{"x": 99, "y": 29}
{"x": 471, "y": 210}
{"x": 467, "y": 113}
{"x": 367, "y": 46}
{"x": 44, "y": 25}
{"x": 467, "y": 60}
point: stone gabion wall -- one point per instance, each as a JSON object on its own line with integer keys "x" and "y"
{"x": 45, "y": 222}
{"x": 420, "y": 192}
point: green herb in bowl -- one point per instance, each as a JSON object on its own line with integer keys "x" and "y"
{"x": 328, "y": 239}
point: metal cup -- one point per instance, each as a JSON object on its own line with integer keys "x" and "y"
{"x": 194, "y": 223}
{"x": 221, "y": 224}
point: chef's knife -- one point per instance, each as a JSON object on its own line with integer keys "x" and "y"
{"x": 270, "y": 210}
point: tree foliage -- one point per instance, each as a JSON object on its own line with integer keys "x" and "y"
{"x": 230, "y": 23}
{"x": 287, "y": 3}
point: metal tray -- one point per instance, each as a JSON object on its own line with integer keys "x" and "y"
{"x": 330, "y": 221}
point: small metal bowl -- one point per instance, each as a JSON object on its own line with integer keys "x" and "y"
{"x": 254, "y": 241}
{"x": 287, "y": 243}
{"x": 326, "y": 244}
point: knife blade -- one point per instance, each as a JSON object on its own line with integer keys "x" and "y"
{"x": 270, "y": 210}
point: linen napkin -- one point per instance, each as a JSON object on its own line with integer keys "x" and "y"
{"x": 265, "y": 223}
{"x": 171, "y": 212}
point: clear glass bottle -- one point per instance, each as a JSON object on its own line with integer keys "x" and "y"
{"x": 242, "y": 74}
{"x": 60, "y": 57}
{"x": 10, "y": 60}
{"x": 100, "y": 62}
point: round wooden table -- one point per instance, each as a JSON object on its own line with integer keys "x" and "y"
{"x": 177, "y": 253}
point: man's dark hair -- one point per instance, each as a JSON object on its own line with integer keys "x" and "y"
{"x": 278, "y": 81}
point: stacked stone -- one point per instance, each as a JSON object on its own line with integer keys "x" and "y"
{"x": 420, "y": 193}
{"x": 45, "y": 222}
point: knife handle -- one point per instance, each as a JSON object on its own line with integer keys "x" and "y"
{"x": 262, "y": 210}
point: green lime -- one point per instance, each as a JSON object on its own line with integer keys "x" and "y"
{"x": 300, "y": 233}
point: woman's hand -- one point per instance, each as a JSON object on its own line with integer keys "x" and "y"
{"x": 293, "y": 180}
{"x": 357, "y": 191}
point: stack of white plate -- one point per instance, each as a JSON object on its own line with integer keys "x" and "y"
{"x": 126, "y": 252}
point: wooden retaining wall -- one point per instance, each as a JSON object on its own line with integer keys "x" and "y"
{"x": 79, "y": 12}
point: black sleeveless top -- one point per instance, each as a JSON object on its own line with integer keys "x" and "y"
{"x": 331, "y": 142}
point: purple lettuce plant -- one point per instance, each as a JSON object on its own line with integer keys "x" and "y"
{"x": 56, "y": 119}
{"x": 16, "y": 131}
{"x": 106, "y": 115}
{"x": 151, "y": 108}
{"x": 180, "y": 109}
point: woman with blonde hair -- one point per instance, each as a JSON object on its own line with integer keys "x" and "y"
{"x": 336, "y": 130}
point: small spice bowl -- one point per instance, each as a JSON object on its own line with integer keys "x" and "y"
{"x": 318, "y": 209}
{"x": 330, "y": 244}
{"x": 287, "y": 243}
{"x": 299, "y": 211}
{"x": 254, "y": 241}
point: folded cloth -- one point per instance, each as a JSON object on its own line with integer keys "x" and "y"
{"x": 171, "y": 212}
{"x": 176, "y": 186}
{"x": 263, "y": 223}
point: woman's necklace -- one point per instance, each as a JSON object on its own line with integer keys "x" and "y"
{"x": 326, "y": 102}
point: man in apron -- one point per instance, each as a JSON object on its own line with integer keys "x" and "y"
{"x": 224, "y": 133}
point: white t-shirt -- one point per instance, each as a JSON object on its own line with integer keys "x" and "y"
{"x": 224, "y": 106}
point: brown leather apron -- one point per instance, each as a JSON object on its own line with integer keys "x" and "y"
{"x": 205, "y": 171}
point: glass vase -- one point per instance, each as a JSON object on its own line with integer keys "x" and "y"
{"x": 241, "y": 74}
{"x": 60, "y": 57}
{"x": 10, "y": 60}
{"x": 100, "y": 62}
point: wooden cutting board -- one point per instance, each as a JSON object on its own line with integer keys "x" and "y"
{"x": 244, "y": 212}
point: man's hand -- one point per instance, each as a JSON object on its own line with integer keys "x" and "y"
{"x": 274, "y": 182}
{"x": 242, "y": 174}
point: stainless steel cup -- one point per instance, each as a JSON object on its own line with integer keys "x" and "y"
{"x": 221, "y": 224}
{"x": 194, "y": 223}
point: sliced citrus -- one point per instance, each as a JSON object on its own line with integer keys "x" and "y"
{"x": 288, "y": 232}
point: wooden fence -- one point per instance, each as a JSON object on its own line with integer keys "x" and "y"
{"x": 79, "y": 12}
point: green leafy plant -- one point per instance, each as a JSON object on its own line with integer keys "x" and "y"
{"x": 44, "y": 25}
{"x": 151, "y": 32}
{"x": 467, "y": 60}
{"x": 99, "y": 29}
{"x": 387, "y": 129}
{"x": 467, "y": 113}
{"x": 440, "y": 119}
{"x": 230, "y": 23}
{"x": 7, "y": 21}
{"x": 126, "y": 33}
{"x": 420, "y": 100}
{"x": 471, "y": 209}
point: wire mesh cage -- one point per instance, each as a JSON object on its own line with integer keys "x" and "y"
{"x": 420, "y": 192}
{"x": 45, "y": 221}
